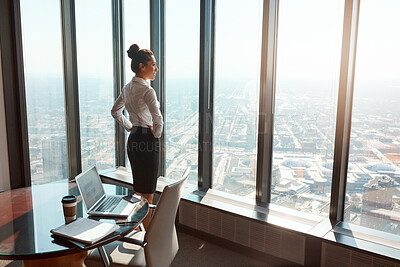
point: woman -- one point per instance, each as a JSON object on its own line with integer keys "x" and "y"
{"x": 145, "y": 123}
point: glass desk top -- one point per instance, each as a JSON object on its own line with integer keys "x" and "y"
{"x": 28, "y": 214}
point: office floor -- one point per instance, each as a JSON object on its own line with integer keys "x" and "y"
{"x": 196, "y": 252}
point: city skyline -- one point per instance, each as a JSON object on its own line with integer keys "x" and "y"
{"x": 302, "y": 167}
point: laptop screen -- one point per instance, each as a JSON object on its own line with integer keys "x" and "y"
{"x": 90, "y": 187}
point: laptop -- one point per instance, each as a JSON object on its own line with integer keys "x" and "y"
{"x": 95, "y": 200}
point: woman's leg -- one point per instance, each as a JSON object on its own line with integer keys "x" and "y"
{"x": 146, "y": 220}
{"x": 143, "y": 153}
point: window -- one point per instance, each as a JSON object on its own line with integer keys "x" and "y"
{"x": 307, "y": 77}
{"x": 308, "y": 54}
{"x": 136, "y": 31}
{"x": 236, "y": 91}
{"x": 182, "y": 88}
{"x": 44, "y": 84}
{"x": 95, "y": 78}
{"x": 372, "y": 191}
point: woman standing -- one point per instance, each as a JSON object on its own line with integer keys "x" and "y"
{"x": 145, "y": 123}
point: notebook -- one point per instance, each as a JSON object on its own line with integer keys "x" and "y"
{"x": 95, "y": 200}
{"x": 85, "y": 230}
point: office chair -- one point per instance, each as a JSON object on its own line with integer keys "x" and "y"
{"x": 155, "y": 247}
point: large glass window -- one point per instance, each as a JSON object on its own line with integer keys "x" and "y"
{"x": 95, "y": 78}
{"x": 307, "y": 77}
{"x": 44, "y": 85}
{"x": 236, "y": 90}
{"x": 182, "y": 87}
{"x": 373, "y": 179}
{"x": 136, "y": 31}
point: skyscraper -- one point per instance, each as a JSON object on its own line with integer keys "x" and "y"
{"x": 54, "y": 164}
{"x": 376, "y": 199}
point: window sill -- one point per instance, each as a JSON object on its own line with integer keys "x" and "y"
{"x": 273, "y": 214}
{"x": 344, "y": 234}
{"x": 366, "y": 239}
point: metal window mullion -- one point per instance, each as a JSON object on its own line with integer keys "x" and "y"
{"x": 71, "y": 87}
{"x": 267, "y": 93}
{"x": 14, "y": 94}
{"x": 118, "y": 74}
{"x": 344, "y": 110}
{"x": 157, "y": 45}
{"x": 206, "y": 93}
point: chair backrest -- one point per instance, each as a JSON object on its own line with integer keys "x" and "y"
{"x": 162, "y": 241}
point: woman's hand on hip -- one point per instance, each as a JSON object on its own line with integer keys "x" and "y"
{"x": 151, "y": 129}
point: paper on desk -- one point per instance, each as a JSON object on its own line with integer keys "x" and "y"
{"x": 85, "y": 230}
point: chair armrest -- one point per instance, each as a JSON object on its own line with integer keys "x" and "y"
{"x": 134, "y": 241}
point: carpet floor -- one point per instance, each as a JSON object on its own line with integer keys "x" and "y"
{"x": 197, "y": 252}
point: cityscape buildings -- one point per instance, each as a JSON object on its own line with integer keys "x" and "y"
{"x": 302, "y": 156}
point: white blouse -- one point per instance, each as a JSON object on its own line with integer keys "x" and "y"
{"x": 140, "y": 100}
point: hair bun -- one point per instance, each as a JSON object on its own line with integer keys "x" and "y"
{"x": 133, "y": 51}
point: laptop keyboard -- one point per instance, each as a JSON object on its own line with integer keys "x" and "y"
{"x": 109, "y": 204}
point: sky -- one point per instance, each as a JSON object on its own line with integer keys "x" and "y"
{"x": 309, "y": 36}
{"x": 41, "y": 36}
{"x": 309, "y": 39}
{"x": 378, "y": 53}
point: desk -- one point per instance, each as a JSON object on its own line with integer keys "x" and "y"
{"x": 28, "y": 214}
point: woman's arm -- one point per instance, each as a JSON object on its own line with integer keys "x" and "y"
{"x": 117, "y": 114}
{"x": 152, "y": 103}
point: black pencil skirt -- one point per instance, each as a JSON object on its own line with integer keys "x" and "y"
{"x": 143, "y": 153}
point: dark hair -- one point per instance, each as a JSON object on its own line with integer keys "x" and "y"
{"x": 138, "y": 56}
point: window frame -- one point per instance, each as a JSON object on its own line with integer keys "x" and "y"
{"x": 267, "y": 101}
{"x": 14, "y": 94}
{"x": 344, "y": 110}
{"x": 206, "y": 93}
{"x": 71, "y": 90}
{"x": 118, "y": 72}
{"x": 157, "y": 45}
